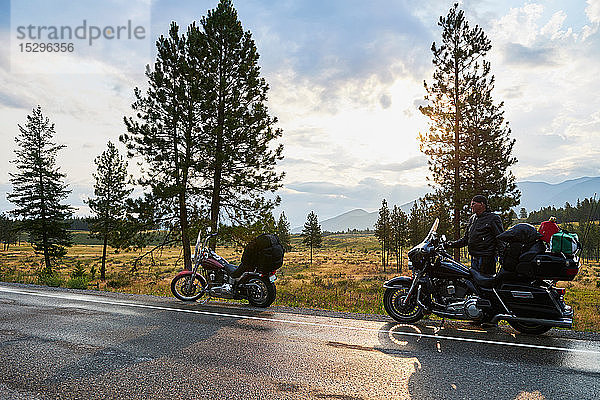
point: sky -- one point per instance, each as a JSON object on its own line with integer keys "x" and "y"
{"x": 346, "y": 80}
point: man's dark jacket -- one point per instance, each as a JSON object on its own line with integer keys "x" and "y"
{"x": 480, "y": 235}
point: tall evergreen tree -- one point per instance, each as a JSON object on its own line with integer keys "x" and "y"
{"x": 399, "y": 234}
{"x": 468, "y": 142}
{"x": 8, "y": 231}
{"x": 109, "y": 201}
{"x": 383, "y": 232}
{"x": 166, "y": 135}
{"x": 523, "y": 213}
{"x": 237, "y": 130}
{"x": 283, "y": 232}
{"x": 204, "y": 130}
{"x": 311, "y": 233}
{"x": 39, "y": 189}
{"x": 417, "y": 222}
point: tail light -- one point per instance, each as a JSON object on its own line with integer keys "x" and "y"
{"x": 560, "y": 291}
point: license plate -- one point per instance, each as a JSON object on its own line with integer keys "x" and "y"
{"x": 273, "y": 278}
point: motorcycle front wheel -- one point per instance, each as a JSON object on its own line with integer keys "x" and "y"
{"x": 180, "y": 287}
{"x": 392, "y": 302}
{"x": 529, "y": 328}
{"x": 261, "y": 292}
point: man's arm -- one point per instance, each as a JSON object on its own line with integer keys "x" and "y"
{"x": 463, "y": 241}
{"x": 497, "y": 229}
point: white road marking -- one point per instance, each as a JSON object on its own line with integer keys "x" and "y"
{"x": 293, "y": 322}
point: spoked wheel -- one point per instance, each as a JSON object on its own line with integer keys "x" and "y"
{"x": 392, "y": 302}
{"x": 181, "y": 288}
{"x": 261, "y": 292}
{"x": 529, "y": 328}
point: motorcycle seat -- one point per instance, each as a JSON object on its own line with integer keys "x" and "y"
{"x": 235, "y": 271}
{"x": 230, "y": 268}
{"x": 490, "y": 282}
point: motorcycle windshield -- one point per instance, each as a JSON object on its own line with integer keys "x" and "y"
{"x": 432, "y": 231}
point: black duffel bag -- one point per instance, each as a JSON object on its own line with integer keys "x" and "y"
{"x": 264, "y": 253}
{"x": 520, "y": 233}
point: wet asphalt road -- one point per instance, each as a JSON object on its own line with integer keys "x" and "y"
{"x": 61, "y": 344}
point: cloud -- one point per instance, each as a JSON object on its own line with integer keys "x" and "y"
{"x": 342, "y": 46}
{"x": 592, "y": 11}
{"x": 516, "y": 54}
{"x": 385, "y": 100}
{"x": 408, "y": 165}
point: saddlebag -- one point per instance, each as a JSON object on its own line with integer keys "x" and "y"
{"x": 527, "y": 301}
{"x": 264, "y": 253}
{"x": 549, "y": 266}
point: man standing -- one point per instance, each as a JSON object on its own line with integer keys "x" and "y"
{"x": 480, "y": 237}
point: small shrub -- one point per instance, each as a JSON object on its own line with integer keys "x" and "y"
{"x": 79, "y": 282}
{"x": 79, "y": 271}
{"x": 119, "y": 281}
{"x": 93, "y": 272}
{"x": 52, "y": 279}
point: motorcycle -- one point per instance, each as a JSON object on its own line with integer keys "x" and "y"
{"x": 213, "y": 276}
{"x": 526, "y": 298}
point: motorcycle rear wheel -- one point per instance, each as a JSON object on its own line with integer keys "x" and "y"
{"x": 392, "y": 302}
{"x": 179, "y": 287}
{"x": 529, "y": 328}
{"x": 261, "y": 292}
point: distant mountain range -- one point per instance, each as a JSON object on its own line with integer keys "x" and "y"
{"x": 534, "y": 195}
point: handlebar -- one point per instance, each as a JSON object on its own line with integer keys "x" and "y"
{"x": 208, "y": 238}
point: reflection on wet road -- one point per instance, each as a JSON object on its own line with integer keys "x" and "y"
{"x": 60, "y": 344}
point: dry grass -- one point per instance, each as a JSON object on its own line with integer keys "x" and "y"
{"x": 346, "y": 275}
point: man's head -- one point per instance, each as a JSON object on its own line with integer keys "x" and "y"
{"x": 479, "y": 204}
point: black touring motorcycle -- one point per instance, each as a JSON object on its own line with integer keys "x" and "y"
{"x": 523, "y": 292}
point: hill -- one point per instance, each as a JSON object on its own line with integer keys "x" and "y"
{"x": 534, "y": 195}
{"x": 358, "y": 219}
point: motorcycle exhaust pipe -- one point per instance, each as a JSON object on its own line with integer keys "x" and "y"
{"x": 560, "y": 323}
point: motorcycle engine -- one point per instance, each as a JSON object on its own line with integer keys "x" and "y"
{"x": 449, "y": 291}
{"x": 472, "y": 311}
{"x": 216, "y": 277}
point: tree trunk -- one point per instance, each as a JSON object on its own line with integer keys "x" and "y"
{"x": 216, "y": 195}
{"x": 103, "y": 264}
{"x": 48, "y": 268}
{"x": 185, "y": 240}
{"x": 457, "y": 207}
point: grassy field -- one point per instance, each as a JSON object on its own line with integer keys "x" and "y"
{"x": 346, "y": 275}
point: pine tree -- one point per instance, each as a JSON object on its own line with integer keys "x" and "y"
{"x": 417, "y": 222}
{"x": 109, "y": 201}
{"x": 7, "y": 231}
{"x": 383, "y": 232}
{"x": 399, "y": 234}
{"x": 311, "y": 233}
{"x": 204, "y": 131}
{"x": 237, "y": 129}
{"x": 39, "y": 189}
{"x": 523, "y": 213}
{"x": 468, "y": 142}
{"x": 283, "y": 232}
{"x": 166, "y": 135}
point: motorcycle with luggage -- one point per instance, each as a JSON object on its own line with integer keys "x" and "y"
{"x": 523, "y": 292}
{"x": 213, "y": 276}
